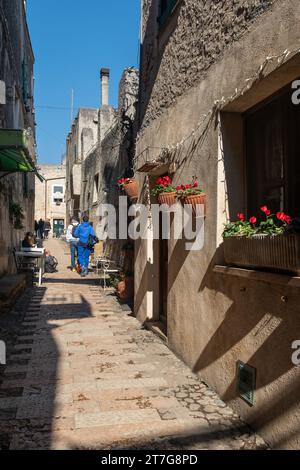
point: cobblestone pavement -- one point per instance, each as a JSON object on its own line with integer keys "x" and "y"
{"x": 82, "y": 373}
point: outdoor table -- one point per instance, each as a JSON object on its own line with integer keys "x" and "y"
{"x": 35, "y": 253}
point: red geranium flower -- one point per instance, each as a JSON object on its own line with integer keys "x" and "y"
{"x": 284, "y": 217}
{"x": 265, "y": 210}
{"x": 253, "y": 220}
{"x": 287, "y": 219}
{"x": 188, "y": 186}
{"x": 178, "y": 188}
{"x": 196, "y": 184}
{"x": 280, "y": 216}
{"x": 241, "y": 216}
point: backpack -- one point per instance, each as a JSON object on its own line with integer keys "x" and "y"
{"x": 92, "y": 240}
{"x": 85, "y": 235}
{"x": 73, "y": 230}
{"x": 50, "y": 264}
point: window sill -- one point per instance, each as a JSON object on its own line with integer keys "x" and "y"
{"x": 254, "y": 275}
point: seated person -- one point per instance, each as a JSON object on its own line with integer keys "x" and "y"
{"x": 29, "y": 241}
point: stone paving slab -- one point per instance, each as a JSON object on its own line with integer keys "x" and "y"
{"x": 84, "y": 374}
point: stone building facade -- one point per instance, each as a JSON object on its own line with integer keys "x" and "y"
{"x": 207, "y": 68}
{"x": 112, "y": 156}
{"x": 110, "y": 153}
{"x": 16, "y": 112}
{"x": 51, "y": 198}
{"x": 82, "y": 137}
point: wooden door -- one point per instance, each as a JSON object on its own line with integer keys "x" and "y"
{"x": 163, "y": 278}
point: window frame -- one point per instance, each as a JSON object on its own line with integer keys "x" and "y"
{"x": 246, "y": 178}
{"x": 54, "y": 200}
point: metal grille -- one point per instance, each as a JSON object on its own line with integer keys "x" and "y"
{"x": 246, "y": 382}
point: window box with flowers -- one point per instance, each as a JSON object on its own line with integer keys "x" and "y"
{"x": 130, "y": 186}
{"x": 271, "y": 244}
{"x": 192, "y": 194}
{"x": 165, "y": 191}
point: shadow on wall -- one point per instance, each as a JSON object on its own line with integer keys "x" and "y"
{"x": 270, "y": 325}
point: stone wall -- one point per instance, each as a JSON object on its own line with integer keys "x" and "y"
{"x": 213, "y": 319}
{"x": 112, "y": 157}
{"x": 16, "y": 70}
{"x": 177, "y": 56}
{"x": 81, "y": 139}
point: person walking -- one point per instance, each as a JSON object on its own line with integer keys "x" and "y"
{"x": 73, "y": 242}
{"x": 86, "y": 235}
{"x": 47, "y": 228}
{"x": 36, "y": 228}
{"x": 41, "y": 225}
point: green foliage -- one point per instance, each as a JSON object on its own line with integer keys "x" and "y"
{"x": 163, "y": 189}
{"x": 239, "y": 229}
{"x": 115, "y": 279}
{"x": 16, "y": 215}
{"x": 272, "y": 225}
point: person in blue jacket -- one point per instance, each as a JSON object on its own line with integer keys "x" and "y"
{"x": 85, "y": 234}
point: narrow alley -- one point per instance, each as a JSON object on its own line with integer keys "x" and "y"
{"x": 83, "y": 374}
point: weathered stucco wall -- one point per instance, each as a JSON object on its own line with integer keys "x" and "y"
{"x": 215, "y": 320}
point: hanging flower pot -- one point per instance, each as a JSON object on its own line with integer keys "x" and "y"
{"x": 194, "y": 200}
{"x": 130, "y": 186}
{"x": 191, "y": 194}
{"x": 125, "y": 288}
{"x": 167, "y": 198}
{"x": 164, "y": 191}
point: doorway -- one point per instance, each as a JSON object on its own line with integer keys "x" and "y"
{"x": 58, "y": 227}
{"x": 163, "y": 277}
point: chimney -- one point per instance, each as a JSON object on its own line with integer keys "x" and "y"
{"x": 104, "y": 74}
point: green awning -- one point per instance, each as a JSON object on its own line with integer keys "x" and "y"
{"x": 14, "y": 160}
{"x": 14, "y": 153}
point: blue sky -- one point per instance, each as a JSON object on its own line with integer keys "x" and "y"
{"x": 72, "y": 40}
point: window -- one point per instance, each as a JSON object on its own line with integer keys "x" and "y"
{"x": 273, "y": 155}
{"x": 58, "y": 194}
{"x": 96, "y": 188}
{"x": 166, "y": 8}
{"x": 25, "y": 185}
{"x": 25, "y": 81}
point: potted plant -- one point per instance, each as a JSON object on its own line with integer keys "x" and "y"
{"x": 272, "y": 243}
{"x": 16, "y": 215}
{"x": 165, "y": 191}
{"x": 193, "y": 195}
{"x": 130, "y": 186}
{"x": 125, "y": 287}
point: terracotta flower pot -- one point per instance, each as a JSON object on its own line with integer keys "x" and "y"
{"x": 132, "y": 189}
{"x": 167, "y": 198}
{"x": 194, "y": 200}
{"x": 126, "y": 288}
